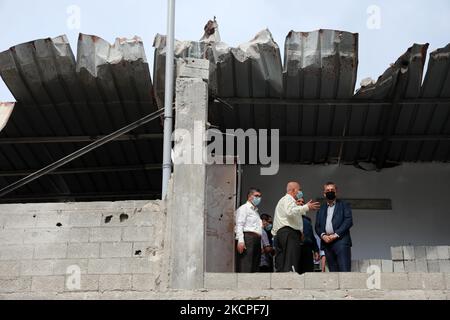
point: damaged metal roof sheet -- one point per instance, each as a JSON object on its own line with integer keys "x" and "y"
{"x": 63, "y": 103}
{"x": 311, "y": 98}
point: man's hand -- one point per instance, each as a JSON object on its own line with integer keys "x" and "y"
{"x": 313, "y": 205}
{"x": 326, "y": 238}
{"x": 316, "y": 256}
{"x": 241, "y": 247}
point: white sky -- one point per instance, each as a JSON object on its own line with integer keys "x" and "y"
{"x": 403, "y": 22}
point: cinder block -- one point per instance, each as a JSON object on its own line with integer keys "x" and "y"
{"x": 420, "y": 252}
{"x": 138, "y": 265}
{"x": 319, "y": 280}
{"x": 88, "y": 282}
{"x": 83, "y": 250}
{"x": 37, "y": 267}
{"x": 433, "y": 281}
{"x": 9, "y": 268}
{"x": 399, "y": 266}
{"x": 355, "y": 266}
{"x": 79, "y": 235}
{"x": 363, "y": 265}
{"x": 85, "y": 219}
{"x": 410, "y": 266}
{"x": 104, "y": 266}
{"x": 444, "y": 266}
{"x": 432, "y": 253}
{"x": 48, "y": 284}
{"x": 253, "y": 281}
{"x": 394, "y": 281}
{"x": 9, "y": 236}
{"x": 421, "y": 265}
{"x": 16, "y": 252}
{"x": 433, "y": 266}
{"x": 116, "y": 249}
{"x": 375, "y": 262}
{"x": 54, "y": 235}
{"x": 138, "y": 234}
{"x": 220, "y": 280}
{"x": 397, "y": 253}
{"x": 113, "y": 234}
{"x": 146, "y": 282}
{"x": 50, "y": 251}
{"x": 109, "y": 282}
{"x": 193, "y": 68}
{"x": 415, "y": 281}
{"x": 408, "y": 253}
{"x": 287, "y": 280}
{"x": 60, "y": 267}
{"x": 447, "y": 280}
{"x": 144, "y": 249}
{"x": 51, "y": 220}
{"x": 443, "y": 252}
{"x": 15, "y": 284}
{"x": 19, "y": 220}
{"x": 387, "y": 266}
{"x": 349, "y": 280}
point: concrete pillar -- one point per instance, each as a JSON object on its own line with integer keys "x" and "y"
{"x": 187, "y": 203}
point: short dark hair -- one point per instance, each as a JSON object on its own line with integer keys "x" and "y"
{"x": 330, "y": 183}
{"x": 266, "y": 217}
{"x": 252, "y": 191}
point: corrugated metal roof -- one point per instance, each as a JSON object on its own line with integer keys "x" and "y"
{"x": 64, "y": 103}
{"x": 311, "y": 98}
{"x": 60, "y": 99}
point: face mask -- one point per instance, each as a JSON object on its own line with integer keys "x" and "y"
{"x": 269, "y": 227}
{"x": 299, "y": 195}
{"x": 256, "y": 201}
{"x": 331, "y": 195}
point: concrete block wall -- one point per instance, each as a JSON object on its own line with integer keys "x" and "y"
{"x": 113, "y": 245}
{"x": 326, "y": 281}
{"x": 422, "y": 259}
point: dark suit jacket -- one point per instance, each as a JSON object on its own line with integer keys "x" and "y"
{"x": 310, "y": 240}
{"x": 342, "y": 222}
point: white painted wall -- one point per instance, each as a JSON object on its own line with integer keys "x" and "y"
{"x": 420, "y": 196}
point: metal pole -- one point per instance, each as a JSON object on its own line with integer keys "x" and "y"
{"x": 168, "y": 98}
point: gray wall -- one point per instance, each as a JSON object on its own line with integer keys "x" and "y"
{"x": 420, "y": 196}
{"x": 39, "y": 242}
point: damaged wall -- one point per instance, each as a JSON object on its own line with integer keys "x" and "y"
{"x": 116, "y": 245}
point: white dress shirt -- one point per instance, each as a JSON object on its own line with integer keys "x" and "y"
{"x": 288, "y": 214}
{"x": 329, "y": 222}
{"x": 247, "y": 220}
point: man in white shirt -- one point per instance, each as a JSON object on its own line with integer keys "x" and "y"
{"x": 248, "y": 233}
{"x": 288, "y": 228}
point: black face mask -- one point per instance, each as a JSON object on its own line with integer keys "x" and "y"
{"x": 331, "y": 195}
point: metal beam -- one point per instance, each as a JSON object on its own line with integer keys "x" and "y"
{"x": 329, "y": 102}
{"x": 80, "y": 152}
{"x": 71, "y": 139}
{"x": 128, "y": 168}
{"x": 82, "y": 196}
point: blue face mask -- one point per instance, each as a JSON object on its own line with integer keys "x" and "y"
{"x": 269, "y": 227}
{"x": 299, "y": 195}
{"x": 256, "y": 201}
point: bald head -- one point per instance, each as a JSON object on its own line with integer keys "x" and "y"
{"x": 292, "y": 187}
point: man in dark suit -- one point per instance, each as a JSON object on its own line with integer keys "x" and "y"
{"x": 333, "y": 223}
